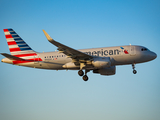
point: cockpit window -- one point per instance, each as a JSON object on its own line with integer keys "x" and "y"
{"x": 144, "y": 49}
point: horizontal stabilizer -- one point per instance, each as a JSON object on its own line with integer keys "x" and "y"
{"x": 11, "y": 57}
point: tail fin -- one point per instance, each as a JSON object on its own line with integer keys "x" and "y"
{"x": 19, "y": 48}
{"x": 16, "y": 44}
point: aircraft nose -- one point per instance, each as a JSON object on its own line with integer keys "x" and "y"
{"x": 154, "y": 55}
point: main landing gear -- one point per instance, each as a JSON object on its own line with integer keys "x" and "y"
{"x": 81, "y": 73}
{"x": 133, "y": 67}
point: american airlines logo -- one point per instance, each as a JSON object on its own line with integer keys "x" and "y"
{"x": 125, "y": 51}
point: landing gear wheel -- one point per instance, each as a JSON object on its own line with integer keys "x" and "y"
{"x": 80, "y": 73}
{"x": 85, "y": 78}
{"x": 134, "y": 71}
{"x": 133, "y": 67}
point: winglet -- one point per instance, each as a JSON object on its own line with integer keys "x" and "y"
{"x": 47, "y": 36}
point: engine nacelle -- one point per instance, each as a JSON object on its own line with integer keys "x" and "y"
{"x": 101, "y": 62}
{"x": 70, "y": 65}
{"x": 106, "y": 71}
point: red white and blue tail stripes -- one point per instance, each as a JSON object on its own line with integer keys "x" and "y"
{"x": 19, "y": 48}
{"x": 15, "y": 43}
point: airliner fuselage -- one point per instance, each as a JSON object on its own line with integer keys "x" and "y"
{"x": 101, "y": 60}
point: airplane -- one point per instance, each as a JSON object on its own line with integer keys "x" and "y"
{"x": 101, "y": 61}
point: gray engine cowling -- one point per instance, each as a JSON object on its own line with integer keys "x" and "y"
{"x": 101, "y": 62}
{"x": 106, "y": 71}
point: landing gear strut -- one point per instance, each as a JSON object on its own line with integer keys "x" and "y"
{"x": 81, "y": 73}
{"x": 133, "y": 67}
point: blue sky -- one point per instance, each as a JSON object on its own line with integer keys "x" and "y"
{"x": 34, "y": 94}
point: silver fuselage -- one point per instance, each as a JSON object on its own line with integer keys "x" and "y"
{"x": 55, "y": 60}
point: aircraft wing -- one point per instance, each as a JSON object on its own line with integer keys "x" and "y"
{"x": 70, "y": 52}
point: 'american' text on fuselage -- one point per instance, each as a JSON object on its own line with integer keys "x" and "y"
{"x": 103, "y": 52}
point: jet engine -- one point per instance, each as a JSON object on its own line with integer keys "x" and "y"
{"x": 101, "y": 62}
{"x": 70, "y": 65}
{"x": 106, "y": 71}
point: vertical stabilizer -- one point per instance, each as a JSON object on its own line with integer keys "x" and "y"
{"x": 15, "y": 43}
{"x": 18, "y": 47}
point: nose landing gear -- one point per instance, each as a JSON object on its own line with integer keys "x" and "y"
{"x": 133, "y": 67}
